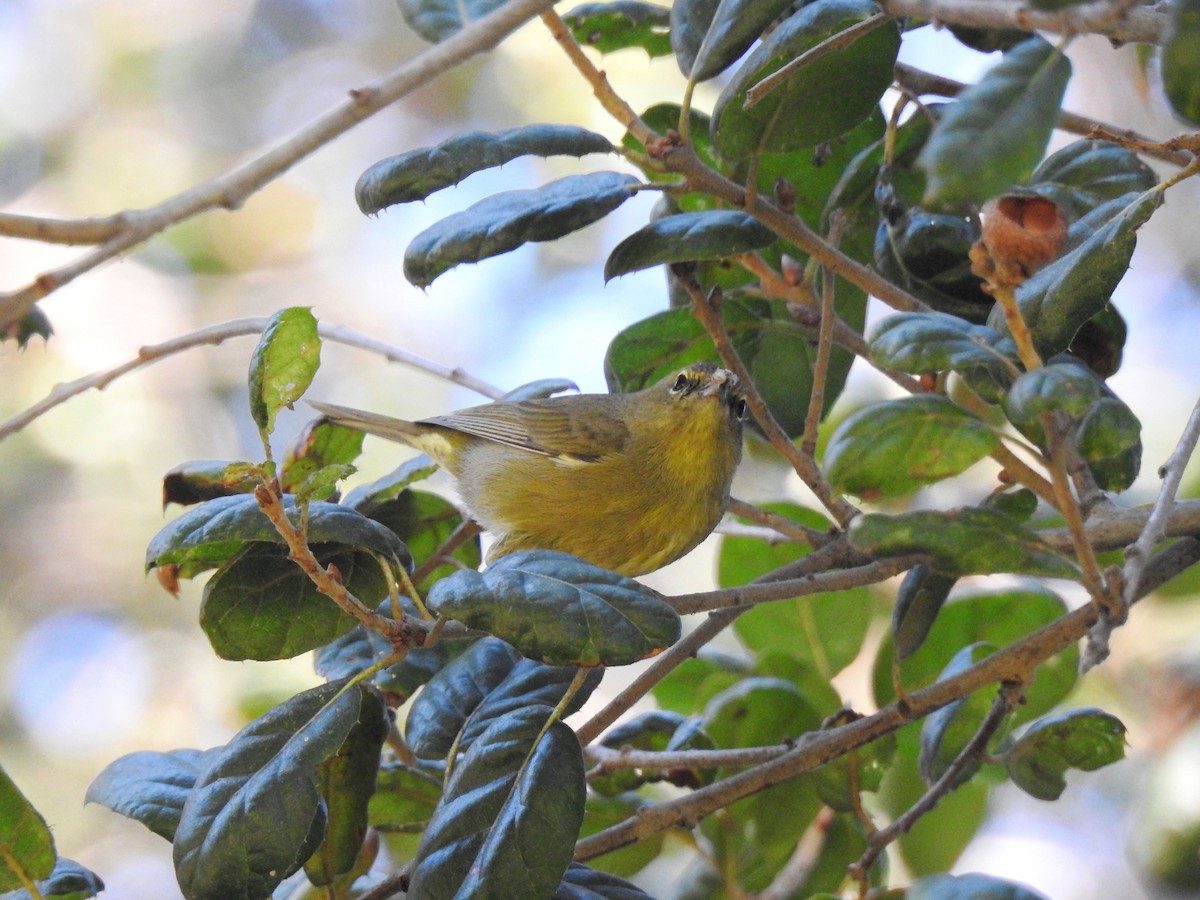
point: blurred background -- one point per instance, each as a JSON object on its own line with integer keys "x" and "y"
{"x": 107, "y": 105}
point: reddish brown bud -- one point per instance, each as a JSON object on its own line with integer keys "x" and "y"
{"x": 1022, "y": 233}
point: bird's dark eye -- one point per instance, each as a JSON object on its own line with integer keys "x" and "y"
{"x": 739, "y": 409}
{"x": 680, "y": 384}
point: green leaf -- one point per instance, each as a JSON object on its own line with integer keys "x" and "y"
{"x": 211, "y": 534}
{"x": 946, "y": 732}
{"x": 1181, "y": 60}
{"x": 390, "y": 486}
{"x": 603, "y": 812}
{"x": 993, "y": 135}
{"x": 817, "y": 102}
{"x": 255, "y": 814}
{"x": 26, "y": 838}
{"x": 1086, "y": 739}
{"x": 968, "y": 541}
{"x": 34, "y": 323}
{"x": 657, "y": 730}
{"x": 690, "y": 685}
{"x": 1085, "y": 174}
{"x": 622, "y": 23}
{"x": 320, "y": 444}
{"x": 665, "y": 117}
{"x": 1066, "y": 387}
{"x": 707, "y": 41}
{"x": 404, "y": 796}
{"x": 346, "y": 781}
{"x": 969, "y": 887}
{"x": 507, "y": 823}
{"x": 505, "y": 221}
{"x": 436, "y": 20}
{"x": 1060, "y": 298}
{"x": 714, "y": 234}
{"x": 890, "y": 449}
{"x": 921, "y": 343}
{"x": 283, "y": 364}
{"x": 559, "y": 609}
{"x": 758, "y": 712}
{"x": 417, "y": 174}
{"x": 918, "y": 602}
{"x": 870, "y": 763}
{"x": 150, "y": 787}
{"x": 198, "y": 480}
{"x": 68, "y": 881}
{"x": 583, "y": 883}
{"x": 1109, "y": 438}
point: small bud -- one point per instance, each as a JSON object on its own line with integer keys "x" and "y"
{"x": 785, "y": 195}
{"x": 793, "y": 272}
{"x": 168, "y": 577}
{"x": 1022, "y": 233}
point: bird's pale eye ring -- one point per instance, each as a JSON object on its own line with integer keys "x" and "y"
{"x": 680, "y": 384}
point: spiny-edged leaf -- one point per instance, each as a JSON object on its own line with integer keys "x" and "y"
{"x": 1086, "y": 739}
{"x": 283, "y": 365}
{"x": 199, "y": 480}
{"x": 214, "y": 532}
{"x": 346, "y": 781}
{"x": 714, "y": 234}
{"x": 559, "y": 609}
{"x": 817, "y": 102}
{"x": 890, "y": 449}
{"x": 758, "y": 711}
{"x": 998, "y": 619}
{"x": 993, "y": 135}
{"x": 438, "y": 713}
{"x": 581, "y": 882}
{"x": 918, "y": 603}
{"x": 1181, "y": 61}
{"x": 149, "y": 786}
{"x": 404, "y": 796}
{"x": 1071, "y": 290}
{"x": 969, "y": 541}
{"x": 972, "y": 886}
{"x": 1084, "y": 174}
{"x": 436, "y": 20}
{"x": 947, "y": 731}
{"x": 255, "y": 814}
{"x": 25, "y": 836}
{"x": 507, "y": 823}
{"x": 318, "y": 445}
{"x": 921, "y": 343}
{"x": 729, "y": 31}
{"x": 68, "y": 881}
{"x": 260, "y": 605}
{"x": 505, "y": 221}
{"x": 417, "y": 174}
{"x": 622, "y": 23}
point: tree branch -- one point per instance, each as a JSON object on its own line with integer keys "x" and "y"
{"x": 1122, "y": 21}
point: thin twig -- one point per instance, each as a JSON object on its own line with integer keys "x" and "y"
{"x": 92, "y": 230}
{"x": 820, "y": 366}
{"x": 782, "y": 524}
{"x": 1119, "y": 21}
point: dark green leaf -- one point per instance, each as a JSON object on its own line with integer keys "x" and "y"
{"x": 603, "y": 812}
{"x": 34, "y": 323}
{"x": 620, "y": 24}
{"x": 283, "y": 364}
{"x": 255, "y": 815}
{"x": 436, "y": 20}
{"x": 68, "y": 881}
{"x": 918, "y": 603}
{"x": 870, "y": 763}
{"x": 715, "y": 234}
{"x": 417, "y": 174}
{"x": 320, "y": 444}
{"x": 968, "y": 541}
{"x": 1068, "y": 388}
{"x": 946, "y": 732}
{"x": 199, "y": 480}
{"x": 993, "y": 135}
{"x": 658, "y": 731}
{"x": 507, "y": 220}
{"x": 691, "y": 684}
{"x": 729, "y": 31}
{"x": 214, "y": 532}
{"x": 346, "y": 781}
{"x": 756, "y": 712}
{"x": 507, "y": 823}
{"x": 1084, "y": 174}
{"x": 817, "y": 102}
{"x": 404, "y": 796}
{"x": 969, "y": 887}
{"x": 1063, "y": 296}
{"x": 1019, "y": 504}
{"x": 390, "y": 486}
{"x": 29, "y": 846}
{"x": 583, "y": 883}
{"x": 150, "y": 787}
{"x": 1181, "y": 60}
{"x": 556, "y": 608}
{"x": 1109, "y": 438}
{"x": 890, "y": 449}
{"x": 937, "y": 840}
{"x": 663, "y": 118}
{"x": 921, "y": 343}
{"x": 1086, "y": 739}
{"x": 690, "y": 21}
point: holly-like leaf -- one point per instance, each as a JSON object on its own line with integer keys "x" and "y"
{"x": 890, "y": 449}
{"x": 969, "y": 541}
{"x": 816, "y": 102}
{"x": 921, "y": 343}
{"x": 507, "y": 220}
{"x": 993, "y": 135}
{"x": 283, "y": 364}
{"x": 417, "y": 174}
{"x": 436, "y": 20}
{"x": 150, "y": 787}
{"x": 1086, "y": 739}
{"x": 622, "y": 23}
{"x": 255, "y": 814}
{"x": 29, "y": 846}
{"x": 508, "y": 821}
{"x": 947, "y": 731}
{"x": 714, "y": 234}
{"x": 1181, "y": 60}
{"x": 559, "y": 609}
{"x": 709, "y": 38}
